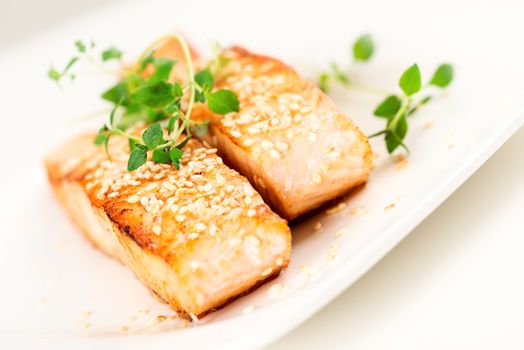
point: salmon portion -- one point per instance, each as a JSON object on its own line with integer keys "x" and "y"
{"x": 198, "y": 237}
{"x": 289, "y": 139}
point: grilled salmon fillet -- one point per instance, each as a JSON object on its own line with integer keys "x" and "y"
{"x": 289, "y": 139}
{"x": 198, "y": 237}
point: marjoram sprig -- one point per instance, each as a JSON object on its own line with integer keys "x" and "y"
{"x": 396, "y": 109}
{"x": 156, "y": 100}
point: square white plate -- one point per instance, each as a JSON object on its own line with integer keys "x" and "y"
{"x": 58, "y": 290}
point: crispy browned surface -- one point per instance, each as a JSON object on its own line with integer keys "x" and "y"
{"x": 288, "y": 138}
{"x": 198, "y": 236}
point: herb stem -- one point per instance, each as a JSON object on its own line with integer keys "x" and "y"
{"x": 191, "y": 79}
{"x": 399, "y": 114}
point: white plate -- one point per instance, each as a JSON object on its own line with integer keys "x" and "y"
{"x": 58, "y": 290}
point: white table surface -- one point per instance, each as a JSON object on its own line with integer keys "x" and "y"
{"x": 457, "y": 281}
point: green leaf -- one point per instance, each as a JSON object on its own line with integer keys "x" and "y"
{"x": 388, "y": 108}
{"x": 81, "y": 47}
{"x": 163, "y": 67}
{"x": 147, "y": 60}
{"x": 184, "y": 142}
{"x": 171, "y": 124}
{"x": 53, "y": 74}
{"x": 176, "y": 154}
{"x": 56, "y": 75}
{"x": 410, "y": 81}
{"x": 204, "y": 78}
{"x": 363, "y": 48}
{"x": 137, "y": 158}
{"x": 161, "y": 156}
{"x": 156, "y": 95}
{"x": 117, "y": 93}
{"x": 111, "y": 53}
{"x": 101, "y": 136}
{"x": 442, "y": 76}
{"x": 323, "y": 82}
{"x": 338, "y": 74}
{"x": 153, "y": 136}
{"x": 396, "y": 136}
{"x": 177, "y": 90}
{"x": 173, "y": 107}
{"x": 113, "y": 112}
{"x": 132, "y": 144}
{"x": 222, "y": 101}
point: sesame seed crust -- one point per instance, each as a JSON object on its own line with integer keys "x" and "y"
{"x": 288, "y": 137}
{"x": 205, "y": 223}
{"x": 163, "y": 208}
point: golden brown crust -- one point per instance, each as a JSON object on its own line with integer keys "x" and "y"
{"x": 197, "y": 236}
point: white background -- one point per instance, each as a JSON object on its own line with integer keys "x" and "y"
{"x": 456, "y": 282}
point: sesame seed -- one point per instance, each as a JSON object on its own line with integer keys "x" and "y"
{"x": 168, "y": 186}
{"x": 273, "y": 153}
{"x": 336, "y": 208}
{"x": 266, "y": 272}
{"x": 251, "y": 213}
{"x": 156, "y": 229}
{"x": 180, "y": 218}
{"x": 193, "y": 235}
{"x": 133, "y": 199}
{"x": 220, "y": 179}
{"x": 266, "y": 144}
{"x": 280, "y": 261}
{"x": 358, "y": 211}
{"x": 193, "y": 317}
{"x": 194, "y": 265}
{"x": 248, "y": 142}
{"x": 316, "y": 178}
{"x": 200, "y": 227}
{"x": 144, "y": 201}
{"x": 151, "y": 186}
{"x": 389, "y": 206}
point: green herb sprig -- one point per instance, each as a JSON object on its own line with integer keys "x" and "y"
{"x": 397, "y": 108}
{"x": 156, "y": 101}
{"x": 394, "y": 108}
{"x": 362, "y": 51}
